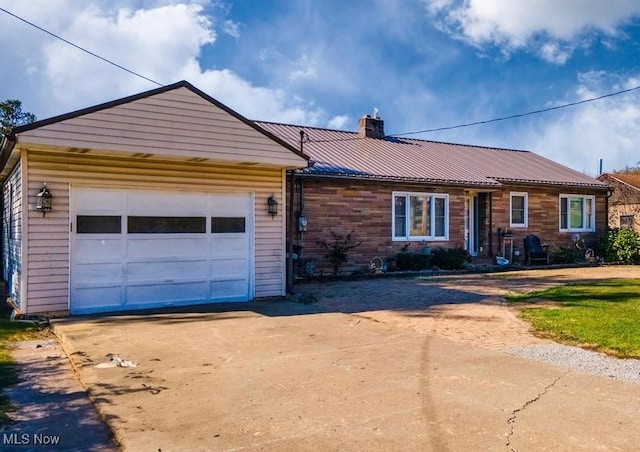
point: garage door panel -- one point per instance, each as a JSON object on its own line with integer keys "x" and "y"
{"x": 230, "y": 204}
{"x": 98, "y": 200}
{"x": 229, "y": 268}
{"x": 165, "y": 203}
{"x": 229, "y": 246}
{"x": 96, "y": 274}
{"x": 98, "y": 250}
{"x": 229, "y": 290}
{"x": 143, "y": 271}
{"x": 96, "y": 299}
{"x": 167, "y": 248}
{"x": 175, "y": 293}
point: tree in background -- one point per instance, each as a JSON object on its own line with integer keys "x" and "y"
{"x": 11, "y": 115}
{"x": 633, "y": 169}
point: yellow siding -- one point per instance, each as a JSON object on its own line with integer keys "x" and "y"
{"x": 177, "y": 123}
{"x": 48, "y": 248}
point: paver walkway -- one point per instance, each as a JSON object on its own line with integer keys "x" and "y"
{"x": 466, "y": 308}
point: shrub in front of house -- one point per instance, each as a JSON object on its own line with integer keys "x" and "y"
{"x": 625, "y": 245}
{"x": 338, "y": 247}
{"x": 409, "y": 261}
{"x": 604, "y": 246}
{"x": 442, "y": 258}
{"x": 617, "y": 245}
{"x": 450, "y": 258}
{"x": 566, "y": 255}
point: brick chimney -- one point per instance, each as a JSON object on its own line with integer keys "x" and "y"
{"x": 371, "y": 126}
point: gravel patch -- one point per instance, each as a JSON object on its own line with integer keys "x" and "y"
{"x": 582, "y": 360}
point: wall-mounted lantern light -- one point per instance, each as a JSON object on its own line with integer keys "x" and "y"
{"x": 272, "y": 206}
{"x": 43, "y": 200}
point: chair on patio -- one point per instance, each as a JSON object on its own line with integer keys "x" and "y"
{"x": 535, "y": 251}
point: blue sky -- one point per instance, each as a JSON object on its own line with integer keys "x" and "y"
{"x": 423, "y": 63}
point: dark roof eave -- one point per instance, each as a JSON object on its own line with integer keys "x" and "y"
{"x": 375, "y": 177}
{"x": 493, "y": 183}
{"x": 552, "y": 183}
{"x": 7, "y": 145}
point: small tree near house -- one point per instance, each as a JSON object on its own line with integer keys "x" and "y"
{"x": 338, "y": 248}
{"x": 11, "y": 115}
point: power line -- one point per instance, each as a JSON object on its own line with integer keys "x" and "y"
{"x": 520, "y": 115}
{"x": 438, "y": 129}
{"x": 488, "y": 121}
{"x": 81, "y": 48}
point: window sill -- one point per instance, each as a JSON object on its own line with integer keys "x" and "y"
{"x": 420, "y": 239}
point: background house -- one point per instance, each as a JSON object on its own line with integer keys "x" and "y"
{"x": 395, "y": 192}
{"x": 624, "y": 203}
{"x": 159, "y": 199}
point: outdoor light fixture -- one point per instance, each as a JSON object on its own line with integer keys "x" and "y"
{"x": 272, "y": 206}
{"x": 43, "y": 200}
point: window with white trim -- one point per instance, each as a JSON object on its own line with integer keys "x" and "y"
{"x": 577, "y": 213}
{"x": 420, "y": 216}
{"x": 518, "y": 209}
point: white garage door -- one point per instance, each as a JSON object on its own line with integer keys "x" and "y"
{"x": 137, "y": 249}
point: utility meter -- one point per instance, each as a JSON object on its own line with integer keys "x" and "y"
{"x": 302, "y": 224}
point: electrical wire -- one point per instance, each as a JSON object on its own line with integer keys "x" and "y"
{"x": 519, "y": 115}
{"x": 488, "y": 121}
{"x": 437, "y": 129}
{"x": 80, "y": 48}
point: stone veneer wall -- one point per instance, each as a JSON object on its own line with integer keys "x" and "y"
{"x": 366, "y": 207}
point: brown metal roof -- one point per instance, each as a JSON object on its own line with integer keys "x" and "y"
{"x": 632, "y": 179}
{"x": 347, "y": 154}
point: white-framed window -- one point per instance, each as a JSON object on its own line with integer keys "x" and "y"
{"x": 420, "y": 216}
{"x": 518, "y": 209}
{"x": 577, "y": 213}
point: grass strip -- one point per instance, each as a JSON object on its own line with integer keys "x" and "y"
{"x": 11, "y": 332}
{"x": 601, "y": 315}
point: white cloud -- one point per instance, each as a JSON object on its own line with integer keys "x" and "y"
{"x": 254, "y": 102}
{"x": 304, "y": 68}
{"x": 540, "y": 24}
{"x": 577, "y": 136}
{"x": 554, "y": 53}
{"x": 231, "y": 28}
{"x": 154, "y": 43}
{"x": 606, "y": 129}
{"x": 339, "y": 122}
{"x": 268, "y": 54}
{"x": 161, "y": 40}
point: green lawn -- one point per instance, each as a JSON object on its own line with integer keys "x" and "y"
{"x": 12, "y": 331}
{"x": 602, "y": 315}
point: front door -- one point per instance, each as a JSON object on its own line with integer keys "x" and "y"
{"x": 471, "y": 223}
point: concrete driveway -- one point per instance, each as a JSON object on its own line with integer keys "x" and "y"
{"x": 286, "y": 376}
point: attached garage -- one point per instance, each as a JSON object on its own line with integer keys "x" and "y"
{"x": 138, "y": 249}
{"x": 159, "y": 199}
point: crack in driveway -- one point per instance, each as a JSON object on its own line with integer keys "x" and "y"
{"x": 511, "y": 421}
